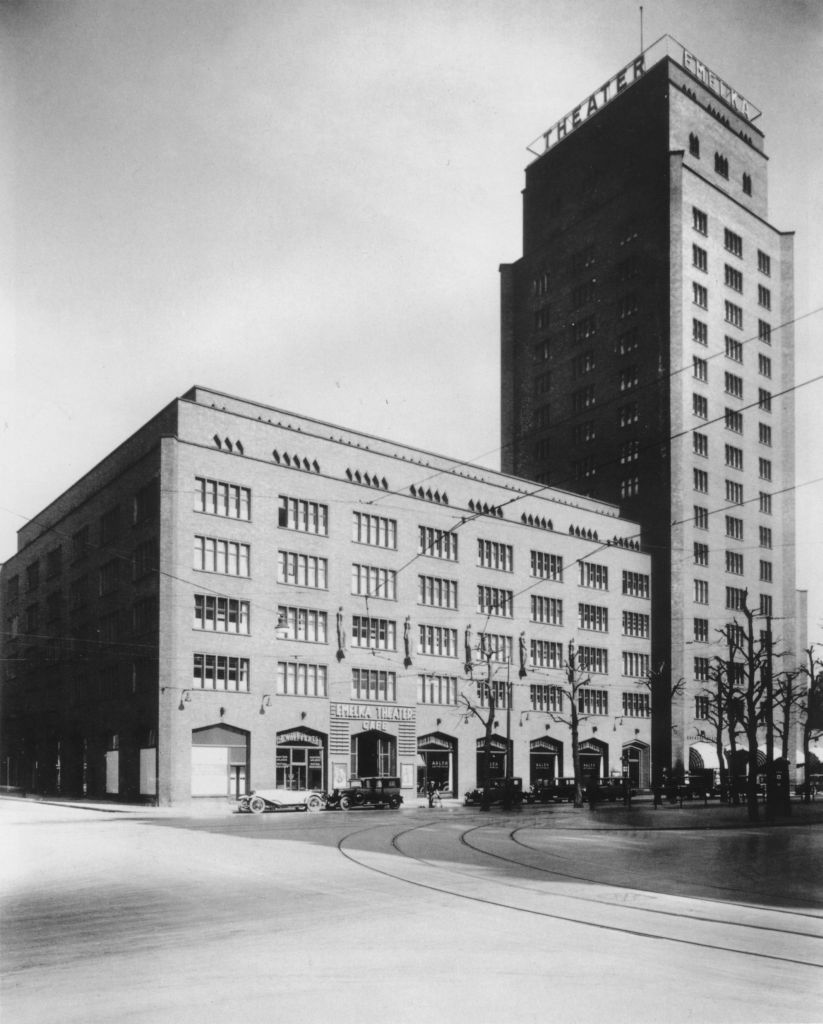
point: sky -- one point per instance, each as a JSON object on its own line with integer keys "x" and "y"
{"x": 306, "y": 204}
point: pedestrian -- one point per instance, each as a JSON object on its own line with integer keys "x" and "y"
{"x": 657, "y": 790}
{"x": 591, "y": 793}
{"x": 431, "y": 789}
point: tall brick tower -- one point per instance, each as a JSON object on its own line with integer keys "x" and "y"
{"x": 647, "y": 354}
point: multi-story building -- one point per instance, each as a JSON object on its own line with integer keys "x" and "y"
{"x": 647, "y": 354}
{"x": 239, "y": 597}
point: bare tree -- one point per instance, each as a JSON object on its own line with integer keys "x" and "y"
{"x": 574, "y": 666}
{"x": 484, "y": 707}
{"x": 809, "y": 703}
{"x": 720, "y": 703}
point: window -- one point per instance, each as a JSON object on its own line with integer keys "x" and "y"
{"x": 700, "y": 332}
{"x": 701, "y": 670}
{"x": 637, "y": 665}
{"x": 765, "y": 469}
{"x": 377, "y": 531}
{"x": 54, "y": 562}
{"x": 373, "y": 633}
{"x": 583, "y": 293}
{"x": 540, "y": 285}
{"x": 546, "y": 698}
{"x": 496, "y": 690}
{"x": 765, "y": 537}
{"x": 594, "y": 659}
{"x": 228, "y": 557}
{"x": 629, "y": 487}
{"x": 701, "y": 631}
{"x": 592, "y": 702}
{"x": 734, "y": 528}
{"x": 733, "y": 278}
{"x": 734, "y": 492}
{"x": 373, "y": 685}
{"x": 496, "y": 647}
{"x": 222, "y": 499}
{"x": 374, "y": 581}
{"x": 747, "y": 184}
{"x": 592, "y": 575}
{"x": 764, "y": 297}
{"x": 701, "y": 707}
{"x": 734, "y": 563}
{"x": 701, "y": 592}
{"x": 734, "y": 457}
{"x": 629, "y": 452}
{"x": 764, "y": 263}
{"x": 734, "y": 421}
{"x": 438, "y": 641}
{"x": 217, "y": 672}
{"x": 636, "y": 584}
{"x": 700, "y": 258}
{"x": 583, "y": 329}
{"x": 627, "y": 306}
{"x": 627, "y": 414}
{"x": 541, "y": 319}
{"x": 546, "y": 566}
{"x": 145, "y": 558}
{"x": 548, "y": 610}
{"x": 434, "y": 689}
{"x": 765, "y": 503}
{"x": 627, "y": 378}
{"x": 735, "y": 598}
{"x": 765, "y": 604}
{"x": 303, "y": 516}
{"x": 584, "y": 468}
{"x": 694, "y": 145}
{"x": 627, "y": 342}
{"x": 733, "y": 243}
{"x": 593, "y": 616}
{"x": 437, "y": 592}
{"x": 298, "y": 679}
{"x": 545, "y": 654}
{"x": 583, "y": 364}
{"x": 543, "y": 384}
{"x": 80, "y": 544}
{"x": 765, "y": 571}
{"x": 733, "y": 384}
{"x": 734, "y": 314}
{"x": 298, "y": 570}
{"x": 734, "y": 349}
{"x": 700, "y": 222}
{"x": 492, "y": 554}
{"x": 700, "y": 444}
{"x": 764, "y": 365}
{"x": 636, "y": 624}
{"x": 764, "y": 332}
{"x": 637, "y": 705}
{"x": 221, "y": 614}
{"x": 493, "y": 601}
{"x": 700, "y": 406}
{"x": 701, "y": 517}
{"x": 305, "y": 624}
{"x": 700, "y": 295}
{"x": 701, "y": 553}
{"x": 700, "y": 368}
{"x": 701, "y": 480}
{"x": 437, "y": 543}
{"x": 583, "y": 398}
{"x": 764, "y": 399}
{"x": 721, "y": 165}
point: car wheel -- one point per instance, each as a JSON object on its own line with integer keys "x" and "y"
{"x": 314, "y": 803}
{"x": 243, "y": 804}
{"x": 257, "y": 805}
{"x": 394, "y": 802}
{"x": 345, "y": 803}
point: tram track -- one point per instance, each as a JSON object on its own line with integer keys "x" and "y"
{"x": 505, "y": 893}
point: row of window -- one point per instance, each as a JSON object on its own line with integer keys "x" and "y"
{"x": 734, "y": 347}
{"x": 735, "y": 597}
{"x": 734, "y": 490}
{"x": 733, "y": 420}
{"x": 733, "y": 383}
{"x": 721, "y": 163}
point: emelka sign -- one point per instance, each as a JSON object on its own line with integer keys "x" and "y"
{"x": 588, "y": 108}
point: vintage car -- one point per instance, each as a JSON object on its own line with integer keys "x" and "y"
{"x": 381, "y": 791}
{"x": 260, "y": 800}
{"x": 497, "y": 793}
{"x": 552, "y": 791}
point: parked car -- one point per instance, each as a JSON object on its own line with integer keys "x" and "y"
{"x": 260, "y": 800}
{"x": 381, "y": 791}
{"x": 554, "y": 791}
{"x": 497, "y": 793}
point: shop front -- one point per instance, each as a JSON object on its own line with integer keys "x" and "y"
{"x": 301, "y": 759}
{"x": 497, "y": 758}
{"x": 594, "y": 758}
{"x": 637, "y": 764}
{"x": 437, "y": 763}
{"x": 219, "y": 761}
{"x": 545, "y": 761}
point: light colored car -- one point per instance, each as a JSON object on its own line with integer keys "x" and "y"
{"x": 261, "y": 800}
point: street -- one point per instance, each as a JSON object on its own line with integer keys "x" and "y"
{"x": 448, "y": 914}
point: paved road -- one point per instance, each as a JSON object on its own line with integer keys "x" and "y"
{"x": 446, "y": 915}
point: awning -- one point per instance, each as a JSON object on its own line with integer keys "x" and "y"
{"x": 702, "y": 755}
{"x": 815, "y": 758}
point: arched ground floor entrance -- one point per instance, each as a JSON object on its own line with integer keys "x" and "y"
{"x": 594, "y": 758}
{"x": 219, "y": 761}
{"x": 497, "y": 758}
{"x": 637, "y": 764}
{"x": 301, "y": 759}
{"x": 373, "y": 753}
{"x": 545, "y": 761}
{"x": 437, "y": 763}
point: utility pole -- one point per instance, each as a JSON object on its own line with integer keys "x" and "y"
{"x": 507, "y": 782}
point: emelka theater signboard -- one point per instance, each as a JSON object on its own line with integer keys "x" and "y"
{"x": 627, "y": 76}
